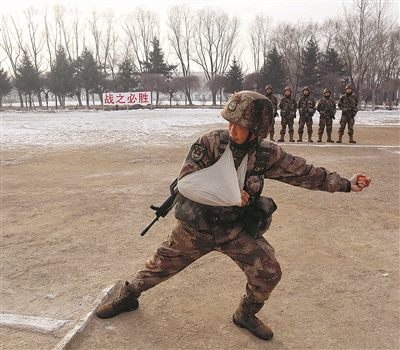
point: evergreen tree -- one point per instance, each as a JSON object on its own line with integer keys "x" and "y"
{"x": 274, "y": 70}
{"x": 331, "y": 63}
{"x": 235, "y": 78}
{"x": 310, "y": 72}
{"x": 156, "y": 64}
{"x": 127, "y": 77}
{"x": 27, "y": 79}
{"x": 60, "y": 79}
{"x": 332, "y": 70}
{"x": 89, "y": 74}
{"x": 5, "y": 85}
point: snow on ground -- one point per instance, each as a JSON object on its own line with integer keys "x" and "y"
{"x": 159, "y": 126}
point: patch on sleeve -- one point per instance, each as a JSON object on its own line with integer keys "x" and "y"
{"x": 197, "y": 152}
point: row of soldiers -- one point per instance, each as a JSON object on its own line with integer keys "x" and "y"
{"x": 326, "y": 107}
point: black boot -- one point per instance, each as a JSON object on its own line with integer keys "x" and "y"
{"x": 125, "y": 302}
{"x": 244, "y": 317}
{"x": 300, "y": 138}
{"x": 329, "y": 137}
{"x": 309, "y": 137}
{"x": 291, "y": 138}
{"x": 340, "y": 139}
{"x": 319, "y": 138}
{"x": 351, "y": 139}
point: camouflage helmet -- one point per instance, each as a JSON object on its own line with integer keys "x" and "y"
{"x": 287, "y": 88}
{"x": 327, "y": 90}
{"x": 250, "y": 110}
{"x": 269, "y": 87}
{"x": 349, "y": 86}
{"x": 306, "y": 88}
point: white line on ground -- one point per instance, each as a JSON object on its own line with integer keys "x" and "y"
{"x": 80, "y": 326}
{"x": 34, "y": 323}
{"x": 352, "y": 145}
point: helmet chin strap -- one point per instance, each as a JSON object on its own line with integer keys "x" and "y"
{"x": 247, "y": 144}
{"x": 249, "y": 136}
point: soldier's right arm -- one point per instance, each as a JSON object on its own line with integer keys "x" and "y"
{"x": 295, "y": 171}
{"x": 319, "y": 105}
{"x": 340, "y": 104}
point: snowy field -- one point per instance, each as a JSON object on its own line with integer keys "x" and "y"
{"x": 159, "y": 126}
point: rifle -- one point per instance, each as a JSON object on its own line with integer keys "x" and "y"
{"x": 164, "y": 208}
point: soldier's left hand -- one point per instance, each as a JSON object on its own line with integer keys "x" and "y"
{"x": 245, "y": 197}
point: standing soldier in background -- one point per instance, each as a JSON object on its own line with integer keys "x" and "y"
{"x": 327, "y": 110}
{"x": 274, "y": 101}
{"x": 306, "y": 106}
{"x": 348, "y": 103}
{"x": 288, "y": 107}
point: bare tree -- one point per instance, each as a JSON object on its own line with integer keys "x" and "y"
{"x": 35, "y": 44}
{"x": 74, "y": 33}
{"x": 384, "y": 60}
{"x": 184, "y": 84}
{"x": 215, "y": 40}
{"x": 217, "y": 84}
{"x": 254, "y": 81}
{"x": 105, "y": 37}
{"x": 180, "y": 23}
{"x": 259, "y": 40}
{"x": 364, "y": 40}
{"x": 154, "y": 82}
{"x": 290, "y": 41}
{"x": 64, "y": 28}
{"x": 355, "y": 40}
{"x": 141, "y": 27}
{"x": 11, "y": 39}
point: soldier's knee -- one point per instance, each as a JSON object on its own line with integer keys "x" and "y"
{"x": 272, "y": 275}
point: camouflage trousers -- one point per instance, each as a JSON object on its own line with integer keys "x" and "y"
{"x": 272, "y": 130}
{"x": 254, "y": 256}
{"x": 305, "y": 120}
{"x": 325, "y": 121}
{"x": 349, "y": 121}
{"x": 289, "y": 122}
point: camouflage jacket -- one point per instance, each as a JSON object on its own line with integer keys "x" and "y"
{"x": 306, "y": 106}
{"x": 274, "y": 102}
{"x": 288, "y": 107}
{"x": 326, "y": 107}
{"x": 266, "y": 160}
{"x": 348, "y": 104}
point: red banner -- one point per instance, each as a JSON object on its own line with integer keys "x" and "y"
{"x": 126, "y": 98}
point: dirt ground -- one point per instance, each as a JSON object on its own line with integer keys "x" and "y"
{"x": 71, "y": 219}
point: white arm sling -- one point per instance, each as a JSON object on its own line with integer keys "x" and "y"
{"x": 217, "y": 185}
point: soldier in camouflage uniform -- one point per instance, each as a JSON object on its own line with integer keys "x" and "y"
{"x": 274, "y": 100}
{"x": 348, "y": 103}
{"x": 306, "y": 106}
{"x": 327, "y": 110}
{"x": 288, "y": 107}
{"x": 236, "y": 231}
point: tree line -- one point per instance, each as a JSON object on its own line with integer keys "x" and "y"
{"x": 57, "y": 51}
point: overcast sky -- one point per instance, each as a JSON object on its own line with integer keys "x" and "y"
{"x": 281, "y": 10}
{"x": 278, "y": 10}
